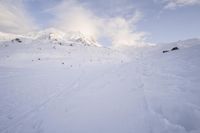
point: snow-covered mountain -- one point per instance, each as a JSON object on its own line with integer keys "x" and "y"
{"x": 54, "y": 45}
{"x": 47, "y": 87}
{"x": 55, "y": 36}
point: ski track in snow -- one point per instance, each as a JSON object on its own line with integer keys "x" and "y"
{"x": 42, "y": 104}
{"x": 70, "y": 89}
{"x": 152, "y": 93}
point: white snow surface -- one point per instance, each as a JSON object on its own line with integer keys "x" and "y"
{"x": 46, "y": 87}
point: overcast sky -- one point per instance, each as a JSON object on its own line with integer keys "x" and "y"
{"x": 110, "y": 21}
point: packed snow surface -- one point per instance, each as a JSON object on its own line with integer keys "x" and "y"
{"x": 67, "y": 86}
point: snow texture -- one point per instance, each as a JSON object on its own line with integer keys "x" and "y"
{"x": 53, "y": 85}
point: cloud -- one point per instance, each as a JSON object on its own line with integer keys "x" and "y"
{"x": 13, "y": 17}
{"x": 71, "y": 16}
{"x": 122, "y": 31}
{"x": 172, "y": 4}
{"x": 76, "y": 16}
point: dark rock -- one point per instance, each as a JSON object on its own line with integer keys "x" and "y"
{"x": 16, "y": 40}
{"x": 165, "y": 51}
{"x": 174, "y": 48}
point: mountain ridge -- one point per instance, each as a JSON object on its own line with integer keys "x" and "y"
{"x": 53, "y": 35}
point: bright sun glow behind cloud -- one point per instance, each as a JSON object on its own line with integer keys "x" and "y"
{"x": 113, "y": 22}
{"x": 73, "y": 16}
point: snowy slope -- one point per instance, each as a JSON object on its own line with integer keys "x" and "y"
{"x": 54, "y": 36}
{"x": 46, "y": 87}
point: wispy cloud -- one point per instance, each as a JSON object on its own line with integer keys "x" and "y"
{"x": 75, "y": 16}
{"x": 72, "y": 16}
{"x": 172, "y": 4}
{"x": 122, "y": 31}
{"x": 118, "y": 24}
{"x": 14, "y": 18}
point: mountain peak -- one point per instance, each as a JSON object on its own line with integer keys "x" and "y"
{"x": 54, "y": 34}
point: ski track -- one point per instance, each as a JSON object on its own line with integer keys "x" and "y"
{"x": 42, "y": 104}
{"x": 73, "y": 88}
{"x": 135, "y": 75}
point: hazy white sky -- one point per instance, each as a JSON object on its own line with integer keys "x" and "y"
{"x": 110, "y": 21}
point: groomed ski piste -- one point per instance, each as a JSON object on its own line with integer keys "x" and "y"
{"x": 56, "y": 83}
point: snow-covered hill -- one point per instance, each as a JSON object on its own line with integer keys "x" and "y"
{"x": 53, "y": 35}
{"x": 49, "y": 48}
{"x": 52, "y": 84}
